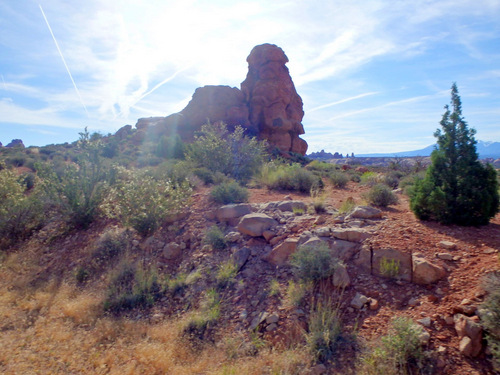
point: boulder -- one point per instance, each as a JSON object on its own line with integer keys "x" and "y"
{"x": 425, "y": 272}
{"x": 350, "y": 234}
{"x": 276, "y": 110}
{"x": 344, "y": 250}
{"x": 233, "y": 211}
{"x": 240, "y": 257}
{"x": 365, "y": 212}
{"x": 292, "y": 205}
{"x": 172, "y": 250}
{"x": 255, "y": 224}
{"x": 341, "y": 278}
{"x": 280, "y": 254}
{"x": 401, "y": 259}
{"x": 448, "y": 245}
{"x": 359, "y": 301}
{"x": 468, "y": 328}
{"x": 123, "y": 132}
{"x": 364, "y": 259}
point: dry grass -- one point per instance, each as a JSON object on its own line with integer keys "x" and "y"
{"x": 60, "y": 329}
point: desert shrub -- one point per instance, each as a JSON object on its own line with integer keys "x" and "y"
{"x": 338, "y": 179}
{"x": 324, "y": 331}
{"x": 229, "y": 192}
{"x": 170, "y": 147}
{"x": 110, "y": 244}
{"x": 314, "y": 263}
{"x": 215, "y": 238}
{"x": 457, "y": 188}
{"x": 132, "y": 287}
{"x": 370, "y": 178}
{"x": 381, "y": 195}
{"x": 319, "y": 201}
{"x": 389, "y": 267}
{"x": 280, "y": 176}
{"x": 321, "y": 168}
{"x": 490, "y": 316}
{"x": 143, "y": 202}
{"x": 77, "y": 190}
{"x": 392, "y": 178}
{"x": 399, "y": 352}
{"x": 226, "y": 273}
{"x": 229, "y": 152}
{"x": 347, "y": 206}
{"x": 296, "y": 292}
{"x": 20, "y": 213}
{"x": 204, "y": 174}
{"x": 198, "y": 328}
{"x": 408, "y": 182}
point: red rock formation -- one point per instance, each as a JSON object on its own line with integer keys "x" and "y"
{"x": 267, "y": 105}
{"x": 275, "y": 107}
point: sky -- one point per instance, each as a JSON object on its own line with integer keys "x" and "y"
{"x": 374, "y": 75}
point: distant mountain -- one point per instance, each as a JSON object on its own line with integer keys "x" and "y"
{"x": 484, "y": 148}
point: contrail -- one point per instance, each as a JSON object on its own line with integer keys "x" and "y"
{"x": 163, "y": 82}
{"x": 64, "y": 61}
{"x": 4, "y": 85}
{"x": 342, "y": 101}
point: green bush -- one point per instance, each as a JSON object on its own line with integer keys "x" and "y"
{"x": 215, "y": 238}
{"x": 338, "y": 179}
{"x": 131, "y": 287}
{"x": 321, "y": 168}
{"x": 226, "y": 273}
{"x": 110, "y": 244}
{"x": 279, "y": 176}
{"x": 314, "y": 263}
{"x": 370, "y": 178}
{"x": 399, "y": 352}
{"x": 20, "y": 213}
{"x": 381, "y": 195}
{"x": 143, "y": 202}
{"x": 457, "y": 188}
{"x": 391, "y": 179}
{"x": 229, "y": 152}
{"x": 325, "y": 331}
{"x": 170, "y": 147}
{"x": 490, "y": 318}
{"x": 229, "y": 192}
{"x": 77, "y": 190}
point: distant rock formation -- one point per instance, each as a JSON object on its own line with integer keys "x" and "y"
{"x": 267, "y": 106}
{"x": 276, "y": 110}
{"x": 16, "y": 143}
{"x": 323, "y": 155}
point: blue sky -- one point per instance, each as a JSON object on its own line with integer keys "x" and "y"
{"x": 374, "y": 75}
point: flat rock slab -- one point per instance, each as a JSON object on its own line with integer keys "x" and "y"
{"x": 425, "y": 272}
{"x": 280, "y": 254}
{"x": 292, "y": 205}
{"x": 233, "y": 211}
{"x": 365, "y": 212}
{"x": 255, "y": 224}
{"x": 350, "y": 234}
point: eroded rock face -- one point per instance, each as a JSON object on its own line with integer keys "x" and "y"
{"x": 276, "y": 110}
{"x": 267, "y": 106}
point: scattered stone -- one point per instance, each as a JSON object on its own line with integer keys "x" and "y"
{"x": 489, "y": 251}
{"x": 240, "y": 257}
{"x": 425, "y": 272}
{"x": 243, "y": 315}
{"x": 258, "y": 320}
{"x": 413, "y": 302}
{"x": 292, "y": 205}
{"x": 467, "y": 327}
{"x": 271, "y": 327}
{"x": 268, "y": 235}
{"x": 318, "y": 370}
{"x": 280, "y": 254}
{"x": 172, "y": 250}
{"x": 322, "y": 232}
{"x": 373, "y": 304}
{"x": 447, "y": 245}
{"x": 274, "y": 318}
{"x": 320, "y": 220}
{"x": 441, "y": 350}
{"x": 232, "y": 237}
{"x": 426, "y": 322}
{"x": 359, "y": 301}
{"x": 255, "y": 224}
{"x": 445, "y": 256}
{"x": 350, "y": 234}
{"x": 365, "y": 212}
{"x": 341, "y": 278}
{"x": 233, "y": 211}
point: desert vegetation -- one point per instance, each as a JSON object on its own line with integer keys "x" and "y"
{"x": 126, "y": 256}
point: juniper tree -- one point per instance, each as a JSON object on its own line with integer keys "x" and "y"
{"x": 457, "y": 188}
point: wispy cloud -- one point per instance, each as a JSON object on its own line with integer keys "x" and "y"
{"x": 323, "y": 106}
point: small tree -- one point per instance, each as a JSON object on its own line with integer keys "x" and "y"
{"x": 457, "y": 188}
